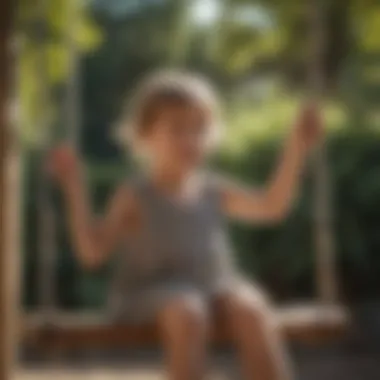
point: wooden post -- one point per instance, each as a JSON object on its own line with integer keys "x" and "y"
{"x": 8, "y": 295}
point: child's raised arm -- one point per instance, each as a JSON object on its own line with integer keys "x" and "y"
{"x": 273, "y": 204}
{"x": 93, "y": 239}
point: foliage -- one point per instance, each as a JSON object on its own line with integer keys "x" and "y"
{"x": 45, "y": 32}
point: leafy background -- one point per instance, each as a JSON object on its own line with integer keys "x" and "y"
{"x": 257, "y": 53}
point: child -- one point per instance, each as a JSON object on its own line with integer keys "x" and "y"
{"x": 170, "y": 222}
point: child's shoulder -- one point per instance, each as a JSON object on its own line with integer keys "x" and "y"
{"x": 126, "y": 203}
{"x": 217, "y": 184}
{"x": 217, "y": 179}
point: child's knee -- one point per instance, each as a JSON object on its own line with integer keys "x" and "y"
{"x": 186, "y": 314}
{"x": 247, "y": 303}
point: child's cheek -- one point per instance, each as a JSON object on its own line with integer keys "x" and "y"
{"x": 163, "y": 144}
{"x": 192, "y": 155}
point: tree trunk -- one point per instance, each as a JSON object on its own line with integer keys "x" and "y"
{"x": 9, "y": 178}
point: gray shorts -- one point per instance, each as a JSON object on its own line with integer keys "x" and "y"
{"x": 144, "y": 304}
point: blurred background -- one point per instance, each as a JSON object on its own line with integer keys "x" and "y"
{"x": 78, "y": 61}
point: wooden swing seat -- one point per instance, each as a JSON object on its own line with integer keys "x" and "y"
{"x": 309, "y": 324}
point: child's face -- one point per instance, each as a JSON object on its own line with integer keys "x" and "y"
{"x": 178, "y": 138}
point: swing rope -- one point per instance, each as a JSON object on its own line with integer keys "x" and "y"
{"x": 325, "y": 272}
{"x": 48, "y": 249}
{"x": 47, "y": 244}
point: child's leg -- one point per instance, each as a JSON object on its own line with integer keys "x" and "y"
{"x": 257, "y": 337}
{"x": 183, "y": 323}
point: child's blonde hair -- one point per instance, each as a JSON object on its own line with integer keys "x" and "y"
{"x": 168, "y": 88}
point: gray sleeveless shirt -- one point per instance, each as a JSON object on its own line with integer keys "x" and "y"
{"x": 180, "y": 245}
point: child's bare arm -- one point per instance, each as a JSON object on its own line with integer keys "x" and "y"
{"x": 273, "y": 203}
{"x": 93, "y": 239}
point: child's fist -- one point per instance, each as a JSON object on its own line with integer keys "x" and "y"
{"x": 63, "y": 165}
{"x": 309, "y": 126}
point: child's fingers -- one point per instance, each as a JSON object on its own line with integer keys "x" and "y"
{"x": 61, "y": 162}
{"x": 309, "y": 125}
{"x": 63, "y": 152}
{"x": 64, "y": 156}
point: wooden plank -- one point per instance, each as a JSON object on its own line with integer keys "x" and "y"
{"x": 302, "y": 323}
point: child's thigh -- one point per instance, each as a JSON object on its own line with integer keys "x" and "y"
{"x": 177, "y": 296}
{"x": 182, "y": 310}
{"x": 243, "y": 297}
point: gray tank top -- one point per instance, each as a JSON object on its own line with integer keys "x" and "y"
{"x": 178, "y": 243}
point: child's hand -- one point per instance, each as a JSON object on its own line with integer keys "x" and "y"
{"x": 64, "y": 165}
{"x": 309, "y": 126}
